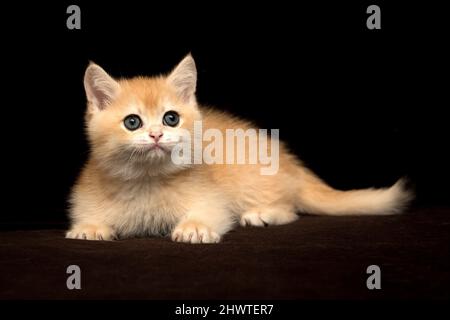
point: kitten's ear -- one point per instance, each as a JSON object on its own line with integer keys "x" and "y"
{"x": 100, "y": 88}
{"x": 184, "y": 79}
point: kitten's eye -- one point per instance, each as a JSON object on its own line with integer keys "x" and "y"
{"x": 171, "y": 118}
{"x": 132, "y": 122}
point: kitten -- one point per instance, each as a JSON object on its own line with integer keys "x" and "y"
{"x": 131, "y": 187}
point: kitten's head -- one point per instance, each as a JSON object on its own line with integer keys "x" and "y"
{"x": 133, "y": 124}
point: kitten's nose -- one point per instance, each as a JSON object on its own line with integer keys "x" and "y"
{"x": 156, "y": 135}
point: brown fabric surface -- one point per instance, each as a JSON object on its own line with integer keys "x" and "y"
{"x": 313, "y": 258}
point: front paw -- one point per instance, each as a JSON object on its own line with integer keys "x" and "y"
{"x": 91, "y": 232}
{"x": 194, "y": 232}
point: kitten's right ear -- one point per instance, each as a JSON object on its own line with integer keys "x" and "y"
{"x": 100, "y": 88}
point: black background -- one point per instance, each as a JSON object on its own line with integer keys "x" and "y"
{"x": 361, "y": 107}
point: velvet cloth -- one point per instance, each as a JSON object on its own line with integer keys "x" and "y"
{"x": 312, "y": 258}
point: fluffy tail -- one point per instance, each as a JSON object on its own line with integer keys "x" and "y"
{"x": 316, "y": 197}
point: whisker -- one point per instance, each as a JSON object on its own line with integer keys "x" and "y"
{"x": 132, "y": 153}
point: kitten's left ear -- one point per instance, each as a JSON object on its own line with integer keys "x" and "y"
{"x": 184, "y": 79}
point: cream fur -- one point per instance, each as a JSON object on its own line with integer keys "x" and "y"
{"x": 127, "y": 191}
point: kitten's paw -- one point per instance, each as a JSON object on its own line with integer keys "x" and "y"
{"x": 194, "y": 232}
{"x": 268, "y": 216}
{"x": 91, "y": 232}
{"x": 253, "y": 219}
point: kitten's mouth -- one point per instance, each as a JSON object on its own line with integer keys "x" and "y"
{"x": 158, "y": 147}
{"x": 153, "y": 147}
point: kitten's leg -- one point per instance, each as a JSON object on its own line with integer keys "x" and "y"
{"x": 271, "y": 215}
{"x": 203, "y": 224}
{"x": 90, "y": 232}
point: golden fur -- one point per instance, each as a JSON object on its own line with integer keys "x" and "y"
{"x": 124, "y": 191}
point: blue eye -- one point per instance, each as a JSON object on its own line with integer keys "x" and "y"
{"x": 132, "y": 122}
{"x": 171, "y": 118}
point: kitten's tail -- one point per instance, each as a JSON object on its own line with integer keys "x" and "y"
{"x": 316, "y": 197}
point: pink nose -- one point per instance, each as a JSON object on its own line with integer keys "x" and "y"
{"x": 156, "y": 135}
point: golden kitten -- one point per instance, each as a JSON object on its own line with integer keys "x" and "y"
{"x": 131, "y": 186}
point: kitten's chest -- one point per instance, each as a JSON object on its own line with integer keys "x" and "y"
{"x": 148, "y": 208}
{"x": 147, "y": 195}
